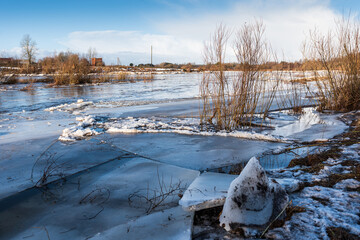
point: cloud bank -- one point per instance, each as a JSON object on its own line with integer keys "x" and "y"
{"x": 181, "y": 40}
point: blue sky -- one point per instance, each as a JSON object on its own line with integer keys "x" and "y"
{"x": 176, "y": 29}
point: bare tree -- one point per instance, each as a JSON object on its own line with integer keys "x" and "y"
{"x": 29, "y": 50}
{"x": 91, "y": 53}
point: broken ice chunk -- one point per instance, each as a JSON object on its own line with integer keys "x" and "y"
{"x": 207, "y": 191}
{"x": 252, "y": 199}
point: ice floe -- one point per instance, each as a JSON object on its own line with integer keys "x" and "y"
{"x": 95, "y": 203}
{"x": 208, "y": 190}
{"x": 252, "y": 199}
{"x": 173, "y": 223}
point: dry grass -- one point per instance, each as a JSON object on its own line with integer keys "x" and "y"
{"x": 312, "y": 160}
{"x": 338, "y": 233}
{"x": 291, "y": 96}
{"x": 121, "y": 76}
{"x": 338, "y": 53}
{"x": 290, "y": 211}
{"x": 334, "y": 178}
{"x": 231, "y": 101}
{"x": 153, "y": 198}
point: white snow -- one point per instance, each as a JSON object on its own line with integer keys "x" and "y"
{"x": 289, "y": 184}
{"x": 187, "y": 126}
{"x": 338, "y": 209}
{"x": 348, "y": 184}
{"x": 251, "y": 198}
{"x": 80, "y": 104}
{"x": 76, "y": 133}
{"x": 81, "y": 130}
{"x": 309, "y": 127}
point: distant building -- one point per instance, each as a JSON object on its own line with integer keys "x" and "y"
{"x": 97, "y": 62}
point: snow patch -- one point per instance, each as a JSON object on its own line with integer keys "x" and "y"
{"x": 187, "y": 126}
{"x": 81, "y": 130}
{"x": 324, "y": 207}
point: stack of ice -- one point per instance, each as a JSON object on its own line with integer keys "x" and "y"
{"x": 252, "y": 199}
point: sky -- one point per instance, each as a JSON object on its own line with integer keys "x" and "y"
{"x": 125, "y": 30}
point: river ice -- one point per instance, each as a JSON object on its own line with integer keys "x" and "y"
{"x": 122, "y": 138}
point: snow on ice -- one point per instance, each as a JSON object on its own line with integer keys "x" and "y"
{"x": 252, "y": 199}
{"x": 72, "y": 107}
{"x": 206, "y": 191}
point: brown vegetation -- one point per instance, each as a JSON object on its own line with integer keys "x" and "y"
{"x": 338, "y": 53}
{"x": 338, "y": 233}
{"x": 314, "y": 162}
{"x": 231, "y": 101}
{"x": 71, "y": 69}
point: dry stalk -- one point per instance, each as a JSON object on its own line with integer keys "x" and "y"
{"x": 230, "y": 102}
{"x": 156, "y": 197}
{"x": 291, "y": 93}
{"x": 97, "y": 197}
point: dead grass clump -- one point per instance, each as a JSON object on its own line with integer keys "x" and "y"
{"x": 315, "y": 161}
{"x": 121, "y": 76}
{"x": 71, "y": 69}
{"x": 28, "y": 87}
{"x": 333, "y": 179}
{"x": 290, "y": 211}
{"x": 146, "y": 77}
{"x": 323, "y": 201}
{"x": 338, "y": 233}
{"x": 352, "y": 136}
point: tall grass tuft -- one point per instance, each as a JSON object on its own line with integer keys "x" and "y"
{"x": 338, "y": 54}
{"x": 231, "y": 101}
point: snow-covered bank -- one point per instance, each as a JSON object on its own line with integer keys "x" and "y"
{"x": 328, "y": 200}
{"x": 323, "y": 190}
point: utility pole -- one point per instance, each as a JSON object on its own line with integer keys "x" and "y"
{"x": 151, "y": 55}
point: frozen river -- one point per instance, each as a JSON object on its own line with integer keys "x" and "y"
{"x": 163, "y": 88}
{"x": 121, "y": 136}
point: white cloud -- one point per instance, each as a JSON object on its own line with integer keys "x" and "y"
{"x": 287, "y": 22}
{"x": 134, "y": 46}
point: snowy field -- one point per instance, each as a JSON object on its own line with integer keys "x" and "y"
{"x": 110, "y": 160}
